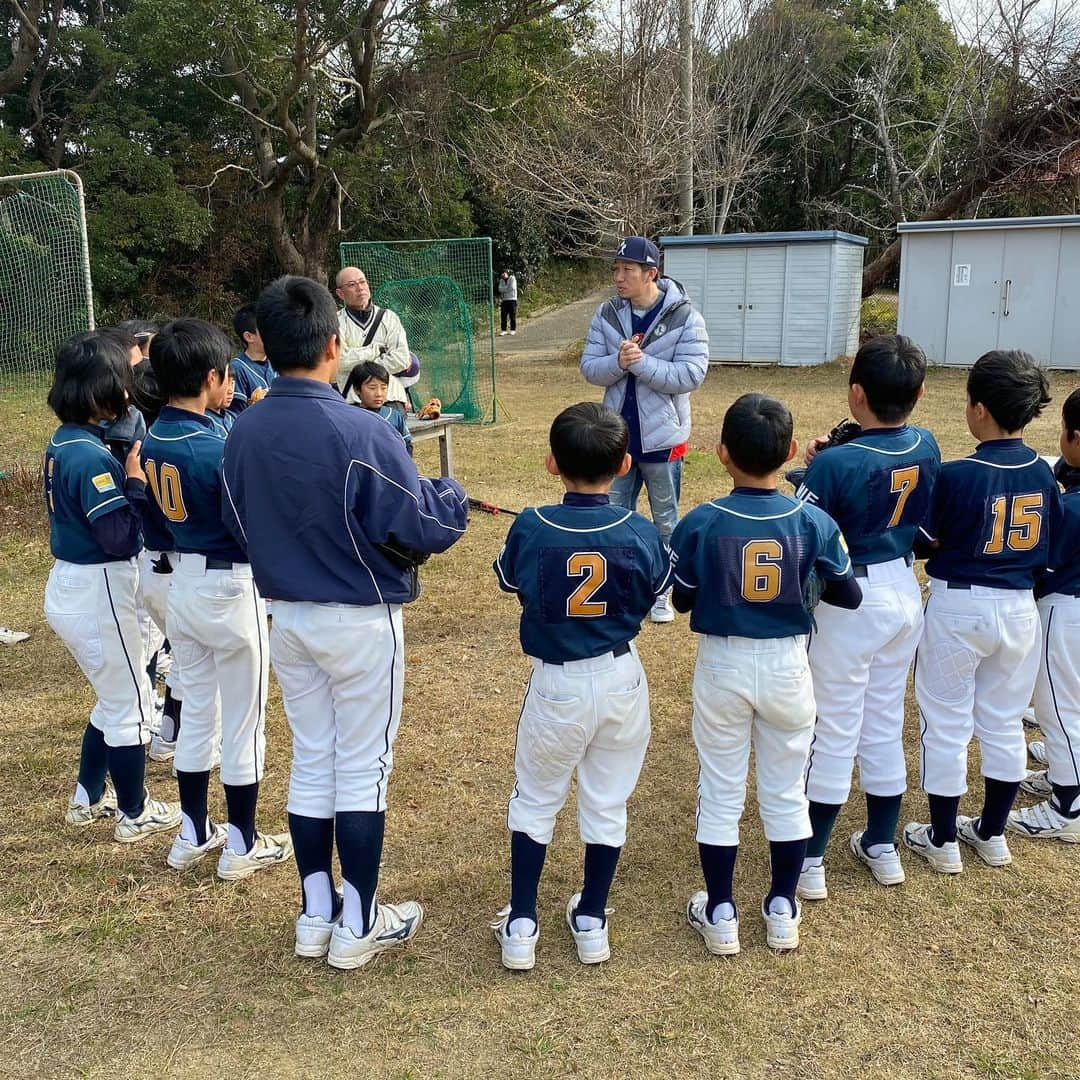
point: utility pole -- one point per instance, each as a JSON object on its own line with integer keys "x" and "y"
{"x": 686, "y": 117}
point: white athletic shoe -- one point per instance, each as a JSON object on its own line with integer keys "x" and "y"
{"x": 1044, "y": 820}
{"x": 394, "y": 925}
{"x": 662, "y": 611}
{"x": 184, "y": 853}
{"x": 592, "y": 945}
{"x": 269, "y": 850}
{"x": 161, "y": 749}
{"x": 721, "y": 937}
{"x": 81, "y": 814}
{"x": 885, "y": 868}
{"x": 313, "y": 935}
{"x": 1029, "y": 720}
{"x": 1035, "y": 783}
{"x": 782, "y": 930}
{"x": 503, "y": 333}
{"x": 1037, "y": 750}
{"x": 945, "y": 859}
{"x": 812, "y": 884}
{"x": 518, "y": 952}
{"x": 513, "y": 333}
{"x": 993, "y": 852}
{"x": 157, "y": 816}
{"x": 11, "y": 637}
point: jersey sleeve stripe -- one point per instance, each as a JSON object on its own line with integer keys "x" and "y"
{"x": 506, "y": 583}
{"x": 93, "y": 512}
{"x": 394, "y": 483}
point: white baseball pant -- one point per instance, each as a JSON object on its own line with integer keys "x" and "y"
{"x": 974, "y": 674}
{"x": 341, "y": 669}
{"x": 217, "y": 629}
{"x": 591, "y": 716}
{"x": 94, "y": 611}
{"x": 859, "y": 661}
{"x": 760, "y": 691}
{"x": 154, "y": 598}
{"x": 1057, "y": 687}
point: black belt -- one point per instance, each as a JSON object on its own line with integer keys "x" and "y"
{"x": 961, "y": 585}
{"x": 215, "y": 564}
{"x": 619, "y": 650}
{"x": 859, "y": 570}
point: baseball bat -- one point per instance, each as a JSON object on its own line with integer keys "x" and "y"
{"x": 490, "y": 508}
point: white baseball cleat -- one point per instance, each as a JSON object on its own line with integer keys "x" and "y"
{"x": 1037, "y": 750}
{"x": 1035, "y": 783}
{"x": 157, "y": 816}
{"x": 1044, "y": 821}
{"x": 944, "y": 859}
{"x": 993, "y": 852}
{"x": 782, "y": 929}
{"x": 394, "y": 925}
{"x": 86, "y": 814}
{"x": 812, "y": 883}
{"x": 313, "y": 934}
{"x": 662, "y": 611}
{"x": 518, "y": 950}
{"x": 269, "y": 850}
{"x": 592, "y": 945}
{"x": 721, "y": 937}
{"x": 1028, "y": 719}
{"x": 185, "y": 853}
{"x": 161, "y": 749}
{"x": 885, "y": 868}
{"x": 12, "y": 637}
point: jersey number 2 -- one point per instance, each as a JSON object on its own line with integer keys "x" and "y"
{"x": 1024, "y": 519}
{"x": 592, "y": 566}
{"x": 762, "y": 572}
{"x": 166, "y": 488}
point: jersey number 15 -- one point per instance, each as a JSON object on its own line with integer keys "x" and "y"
{"x": 1017, "y": 526}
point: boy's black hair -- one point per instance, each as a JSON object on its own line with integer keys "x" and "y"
{"x": 145, "y": 393}
{"x": 588, "y": 442}
{"x": 297, "y": 318}
{"x": 92, "y": 377}
{"x": 139, "y": 329}
{"x": 369, "y": 369}
{"x": 891, "y": 369}
{"x": 1070, "y": 412}
{"x": 1010, "y": 385}
{"x": 127, "y": 339}
{"x": 244, "y": 322}
{"x": 757, "y": 432}
{"x": 184, "y": 353}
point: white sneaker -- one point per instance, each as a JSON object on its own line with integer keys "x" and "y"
{"x": 503, "y": 333}
{"x": 518, "y": 952}
{"x": 592, "y": 945}
{"x": 885, "y": 868}
{"x": 513, "y": 333}
{"x": 157, "y": 816}
{"x": 11, "y": 637}
{"x": 782, "y": 929}
{"x": 269, "y": 850}
{"x": 161, "y": 749}
{"x": 1035, "y": 783}
{"x": 394, "y": 925}
{"x": 1037, "y": 750}
{"x": 1029, "y": 720}
{"x": 313, "y": 935}
{"x": 721, "y": 937}
{"x": 184, "y": 853}
{"x": 945, "y": 859}
{"x": 993, "y": 852}
{"x": 812, "y": 884}
{"x": 81, "y": 814}
{"x": 1044, "y": 820}
{"x": 662, "y": 611}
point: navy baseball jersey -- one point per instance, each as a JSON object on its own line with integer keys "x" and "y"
{"x": 992, "y": 516}
{"x": 83, "y": 483}
{"x": 223, "y": 420}
{"x": 586, "y": 573}
{"x": 1063, "y": 573}
{"x": 248, "y": 376}
{"x": 877, "y": 488}
{"x": 746, "y": 558}
{"x": 396, "y": 419}
{"x": 182, "y": 456}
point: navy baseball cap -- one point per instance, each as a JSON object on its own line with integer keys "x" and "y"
{"x": 639, "y": 249}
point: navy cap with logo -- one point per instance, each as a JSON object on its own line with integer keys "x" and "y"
{"x": 639, "y": 249}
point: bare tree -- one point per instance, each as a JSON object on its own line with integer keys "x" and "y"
{"x": 22, "y": 26}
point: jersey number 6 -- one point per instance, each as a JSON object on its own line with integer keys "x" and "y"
{"x": 592, "y": 566}
{"x": 166, "y": 489}
{"x": 762, "y": 571}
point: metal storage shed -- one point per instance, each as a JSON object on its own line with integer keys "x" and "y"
{"x": 1002, "y": 283}
{"x": 768, "y": 298}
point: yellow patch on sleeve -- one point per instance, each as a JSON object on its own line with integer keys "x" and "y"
{"x": 103, "y": 482}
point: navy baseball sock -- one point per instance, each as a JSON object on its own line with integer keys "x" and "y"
{"x": 151, "y": 667}
{"x": 943, "y": 809}
{"x": 997, "y": 802}
{"x": 193, "y": 795}
{"x": 600, "y": 863}
{"x": 718, "y": 867}
{"x": 127, "y": 767}
{"x": 786, "y": 859}
{"x": 882, "y": 814}
{"x": 822, "y": 819}
{"x": 313, "y": 846}
{"x": 240, "y": 800}
{"x": 359, "y": 843}
{"x": 93, "y": 763}
{"x": 526, "y": 865}
{"x": 1064, "y": 799}
{"x": 171, "y": 711}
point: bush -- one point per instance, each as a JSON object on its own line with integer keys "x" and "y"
{"x": 878, "y": 315}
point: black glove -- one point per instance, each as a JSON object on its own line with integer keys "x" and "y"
{"x": 844, "y": 432}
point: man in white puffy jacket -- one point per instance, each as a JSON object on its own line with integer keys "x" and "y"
{"x": 649, "y": 349}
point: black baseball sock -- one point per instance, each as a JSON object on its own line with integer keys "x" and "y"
{"x": 600, "y": 863}
{"x": 943, "y": 809}
{"x": 193, "y": 797}
{"x": 1063, "y": 799}
{"x": 718, "y": 867}
{"x": 240, "y": 800}
{"x": 526, "y": 865}
{"x": 359, "y": 842}
{"x": 313, "y": 846}
{"x": 93, "y": 763}
{"x": 997, "y": 802}
{"x": 171, "y": 711}
{"x": 786, "y": 859}
{"x": 127, "y": 767}
{"x": 822, "y": 819}
{"x": 882, "y": 814}
{"x": 151, "y": 667}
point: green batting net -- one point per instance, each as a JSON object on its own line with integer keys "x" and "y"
{"x": 442, "y": 292}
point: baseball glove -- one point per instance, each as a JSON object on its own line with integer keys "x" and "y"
{"x": 811, "y": 594}
{"x": 257, "y": 394}
{"x": 844, "y": 432}
{"x": 431, "y": 411}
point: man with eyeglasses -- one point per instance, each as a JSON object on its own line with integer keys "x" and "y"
{"x": 369, "y": 332}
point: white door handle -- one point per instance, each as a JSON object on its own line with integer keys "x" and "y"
{"x": 1008, "y": 291}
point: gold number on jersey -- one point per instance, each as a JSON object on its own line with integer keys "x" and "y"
{"x": 1024, "y": 520}
{"x": 761, "y": 570}
{"x": 592, "y": 566}
{"x": 165, "y": 484}
{"x": 902, "y": 483}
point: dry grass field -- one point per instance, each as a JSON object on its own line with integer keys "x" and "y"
{"x": 111, "y": 965}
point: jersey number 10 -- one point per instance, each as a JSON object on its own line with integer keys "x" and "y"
{"x": 165, "y": 484}
{"x": 1024, "y": 520}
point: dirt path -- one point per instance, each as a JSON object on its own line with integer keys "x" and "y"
{"x": 553, "y": 331}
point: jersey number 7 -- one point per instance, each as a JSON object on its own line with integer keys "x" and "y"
{"x": 902, "y": 482}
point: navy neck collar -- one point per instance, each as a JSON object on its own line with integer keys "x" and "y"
{"x": 580, "y": 498}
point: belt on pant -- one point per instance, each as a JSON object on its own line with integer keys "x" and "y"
{"x": 217, "y": 564}
{"x": 862, "y": 570}
{"x": 619, "y": 650}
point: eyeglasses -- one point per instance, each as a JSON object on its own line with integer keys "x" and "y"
{"x": 352, "y": 284}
